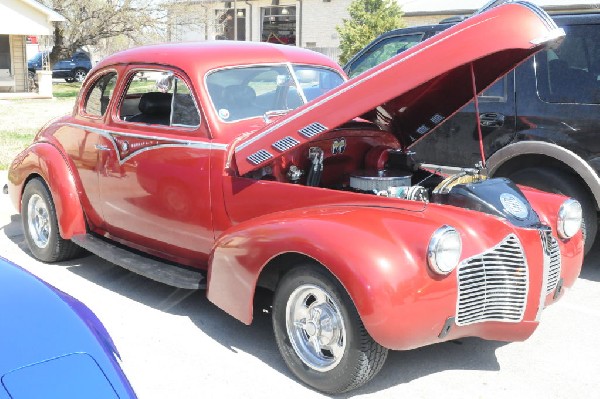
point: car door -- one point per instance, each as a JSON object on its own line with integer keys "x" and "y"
{"x": 559, "y": 92}
{"x": 63, "y": 68}
{"x": 79, "y": 140}
{"x": 456, "y": 141}
{"x": 154, "y": 168}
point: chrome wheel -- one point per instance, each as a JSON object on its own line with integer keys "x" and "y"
{"x": 315, "y": 327}
{"x": 38, "y": 220}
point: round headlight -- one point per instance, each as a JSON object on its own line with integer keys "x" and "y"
{"x": 569, "y": 218}
{"x": 445, "y": 248}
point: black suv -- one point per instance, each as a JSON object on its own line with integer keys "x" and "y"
{"x": 74, "y": 69}
{"x": 540, "y": 123}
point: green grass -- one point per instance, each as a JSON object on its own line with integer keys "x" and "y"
{"x": 20, "y": 120}
{"x": 66, "y": 90}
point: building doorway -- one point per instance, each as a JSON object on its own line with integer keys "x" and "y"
{"x": 279, "y": 24}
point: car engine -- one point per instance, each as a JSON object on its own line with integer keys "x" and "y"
{"x": 373, "y": 165}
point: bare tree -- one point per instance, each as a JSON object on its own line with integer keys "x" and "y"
{"x": 93, "y": 22}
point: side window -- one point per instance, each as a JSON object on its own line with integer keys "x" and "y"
{"x": 316, "y": 81}
{"x": 571, "y": 72}
{"x": 383, "y": 51}
{"x": 159, "y": 98}
{"x": 99, "y": 95}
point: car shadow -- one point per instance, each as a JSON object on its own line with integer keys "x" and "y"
{"x": 258, "y": 339}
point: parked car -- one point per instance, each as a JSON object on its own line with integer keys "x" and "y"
{"x": 52, "y": 345}
{"x": 74, "y": 69}
{"x": 245, "y": 165}
{"x": 539, "y": 122}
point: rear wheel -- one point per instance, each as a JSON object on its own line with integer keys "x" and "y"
{"x": 320, "y": 334}
{"x": 560, "y": 182}
{"x": 40, "y": 225}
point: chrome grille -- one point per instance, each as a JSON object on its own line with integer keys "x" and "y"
{"x": 259, "y": 157}
{"x": 493, "y": 286}
{"x": 552, "y": 259}
{"x": 285, "y": 143}
{"x": 312, "y": 130}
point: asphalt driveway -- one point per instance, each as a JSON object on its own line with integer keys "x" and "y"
{"x": 176, "y": 344}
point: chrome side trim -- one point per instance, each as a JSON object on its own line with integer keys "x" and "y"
{"x": 544, "y": 232}
{"x": 569, "y": 158}
{"x": 173, "y": 142}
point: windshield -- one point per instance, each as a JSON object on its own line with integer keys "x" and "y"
{"x": 248, "y": 92}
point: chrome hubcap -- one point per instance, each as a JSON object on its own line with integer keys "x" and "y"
{"x": 38, "y": 221}
{"x": 80, "y": 76}
{"x": 316, "y": 328}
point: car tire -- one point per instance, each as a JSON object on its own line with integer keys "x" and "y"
{"x": 40, "y": 225}
{"x": 79, "y": 75}
{"x": 69, "y": 80}
{"x": 310, "y": 291}
{"x": 560, "y": 182}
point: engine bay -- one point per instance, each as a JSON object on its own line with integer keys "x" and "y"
{"x": 372, "y": 162}
{"x": 364, "y": 162}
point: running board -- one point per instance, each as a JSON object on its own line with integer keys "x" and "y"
{"x": 148, "y": 267}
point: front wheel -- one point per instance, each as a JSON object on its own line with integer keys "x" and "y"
{"x": 40, "y": 225}
{"x": 320, "y": 334}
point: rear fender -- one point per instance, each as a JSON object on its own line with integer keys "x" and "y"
{"x": 44, "y": 160}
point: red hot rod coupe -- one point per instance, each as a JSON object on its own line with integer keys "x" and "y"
{"x": 233, "y": 166}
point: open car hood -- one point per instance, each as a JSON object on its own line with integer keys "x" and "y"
{"x": 415, "y": 91}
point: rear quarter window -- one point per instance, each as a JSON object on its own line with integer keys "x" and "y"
{"x": 99, "y": 95}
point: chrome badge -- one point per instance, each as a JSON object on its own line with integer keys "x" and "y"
{"x": 339, "y": 146}
{"x": 514, "y": 206}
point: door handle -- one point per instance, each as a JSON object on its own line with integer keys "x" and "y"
{"x": 102, "y": 147}
{"x": 491, "y": 119}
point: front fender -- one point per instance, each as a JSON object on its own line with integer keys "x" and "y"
{"x": 45, "y": 160}
{"x": 378, "y": 255}
{"x": 547, "y": 206}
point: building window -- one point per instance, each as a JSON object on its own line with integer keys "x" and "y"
{"x": 4, "y": 52}
{"x": 279, "y": 24}
{"x": 225, "y": 24}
